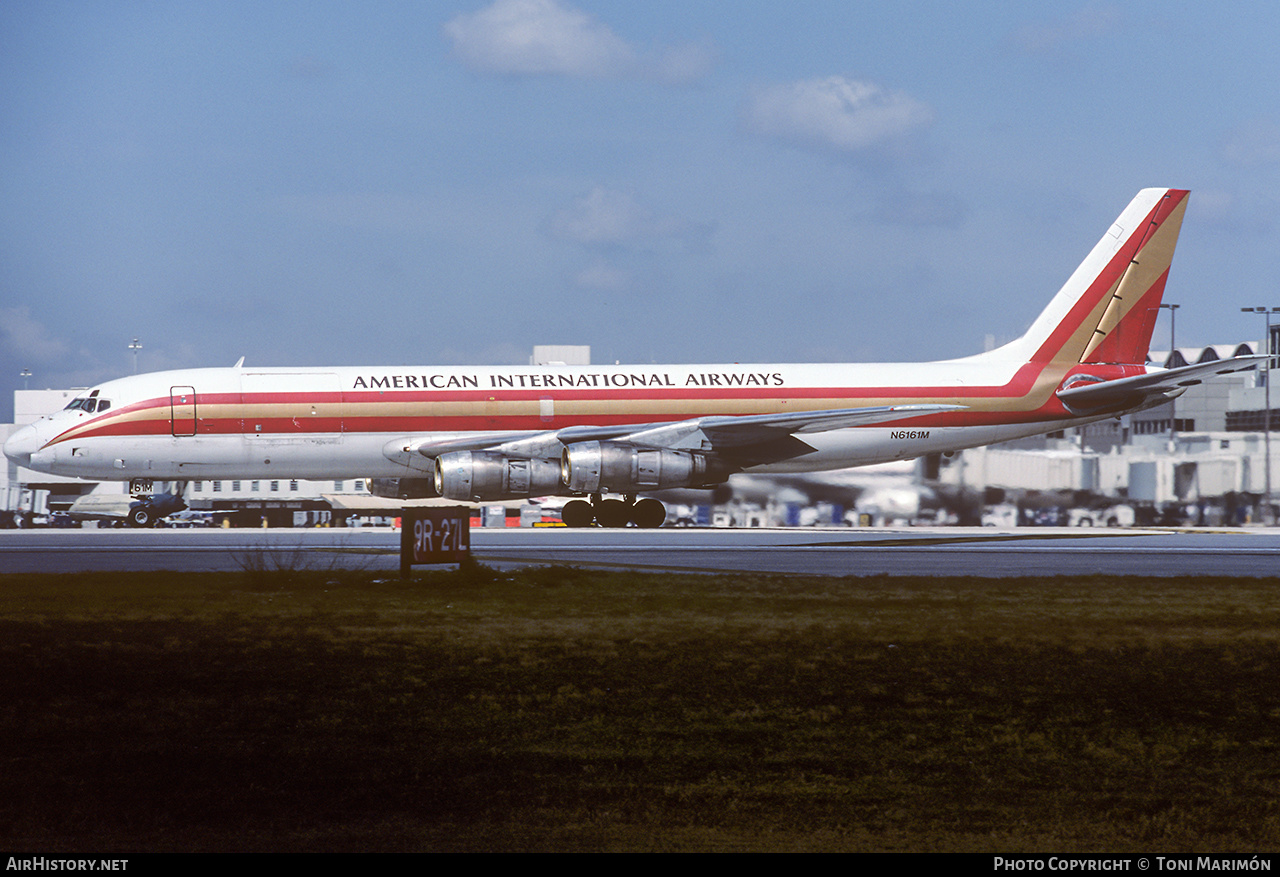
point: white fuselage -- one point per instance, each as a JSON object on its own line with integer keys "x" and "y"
{"x": 349, "y": 422}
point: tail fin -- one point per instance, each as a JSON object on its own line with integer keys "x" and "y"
{"x": 1107, "y": 310}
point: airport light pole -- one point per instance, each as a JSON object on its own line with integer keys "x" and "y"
{"x": 135, "y": 345}
{"x": 25, "y": 374}
{"x": 1266, "y": 383}
{"x": 1173, "y": 326}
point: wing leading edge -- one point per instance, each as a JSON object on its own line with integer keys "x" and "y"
{"x": 716, "y": 433}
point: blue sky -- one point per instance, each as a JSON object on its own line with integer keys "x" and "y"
{"x": 321, "y": 183}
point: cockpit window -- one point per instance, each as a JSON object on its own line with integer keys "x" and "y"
{"x": 88, "y": 405}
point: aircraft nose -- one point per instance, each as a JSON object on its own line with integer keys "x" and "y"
{"x": 22, "y": 444}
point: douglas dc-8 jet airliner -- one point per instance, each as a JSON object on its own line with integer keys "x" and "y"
{"x": 610, "y": 433}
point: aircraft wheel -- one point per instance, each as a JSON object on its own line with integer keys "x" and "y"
{"x": 577, "y": 513}
{"x": 648, "y": 514}
{"x": 613, "y": 513}
{"x": 140, "y": 516}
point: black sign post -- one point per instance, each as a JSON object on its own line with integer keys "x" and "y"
{"x": 434, "y": 535}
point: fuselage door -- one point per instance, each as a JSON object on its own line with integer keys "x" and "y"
{"x": 182, "y": 410}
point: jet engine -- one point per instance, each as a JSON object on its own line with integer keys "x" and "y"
{"x": 403, "y": 488}
{"x": 621, "y": 467}
{"x": 480, "y": 476}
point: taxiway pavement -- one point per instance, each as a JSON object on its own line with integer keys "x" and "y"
{"x": 827, "y": 552}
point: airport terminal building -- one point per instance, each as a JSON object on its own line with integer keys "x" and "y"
{"x": 1203, "y": 456}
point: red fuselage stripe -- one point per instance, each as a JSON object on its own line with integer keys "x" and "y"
{"x": 153, "y": 417}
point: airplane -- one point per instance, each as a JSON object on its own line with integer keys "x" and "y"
{"x": 115, "y": 507}
{"x": 606, "y": 434}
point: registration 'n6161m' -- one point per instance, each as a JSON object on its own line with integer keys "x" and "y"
{"x": 434, "y": 535}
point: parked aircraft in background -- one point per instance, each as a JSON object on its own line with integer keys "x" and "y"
{"x": 117, "y": 507}
{"x": 610, "y": 433}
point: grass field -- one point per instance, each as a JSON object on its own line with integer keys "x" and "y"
{"x": 556, "y": 709}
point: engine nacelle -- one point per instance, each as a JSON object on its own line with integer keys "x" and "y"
{"x": 480, "y": 476}
{"x": 621, "y": 467}
{"x": 403, "y": 488}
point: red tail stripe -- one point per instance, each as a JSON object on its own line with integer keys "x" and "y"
{"x": 1109, "y": 275}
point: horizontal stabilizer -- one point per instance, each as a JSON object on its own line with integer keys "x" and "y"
{"x": 1128, "y": 392}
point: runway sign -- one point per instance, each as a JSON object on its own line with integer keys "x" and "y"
{"x": 434, "y": 535}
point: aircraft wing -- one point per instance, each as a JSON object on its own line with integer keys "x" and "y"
{"x": 530, "y": 443}
{"x": 754, "y": 429}
{"x": 706, "y": 433}
{"x": 1128, "y": 392}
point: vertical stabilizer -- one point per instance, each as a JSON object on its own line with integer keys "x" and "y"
{"x": 1123, "y": 334}
{"x": 1107, "y": 309}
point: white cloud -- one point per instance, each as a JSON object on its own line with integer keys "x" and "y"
{"x": 27, "y": 339}
{"x": 605, "y": 217}
{"x": 382, "y": 210}
{"x": 686, "y": 63}
{"x": 1048, "y": 38}
{"x": 535, "y": 37}
{"x": 1254, "y": 144}
{"x": 308, "y": 67}
{"x": 1213, "y": 206}
{"x": 602, "y": 277}
{"x": 1249, "y": 214}
{"x": 922, "y": 209}
{"x": 846, "y": 115}
{"x": 538, "y": 36}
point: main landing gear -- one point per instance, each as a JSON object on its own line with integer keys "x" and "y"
{"x": 646, "y": 513}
